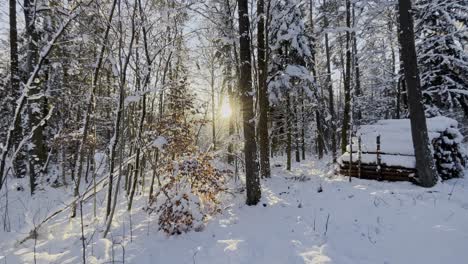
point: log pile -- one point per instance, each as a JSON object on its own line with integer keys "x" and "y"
{"x": 384, "y": 151}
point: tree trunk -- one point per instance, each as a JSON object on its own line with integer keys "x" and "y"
{"x": 296, "y": 132}
{"x": 347, "y": 82}
{"x": 303, "y": 124}
{"x": 14, "y": 80}
{"x": 319, "y": 131}
{"x": 228, "y": 78}
{"x": 357, "y": 72}
{"x": 427, "y": 175}
{"x": 263, "y": 92}
{"x": 330, "y": 93}
{"x": 289, "y": 131}
{"x": 14, "y": 72}
{"x": 401, "y": 74}
{"x": 213, "y": 107}
{"x": 35, "y": 106}
{"x": 245, "y": 85}
{"x": 232, "y": 103}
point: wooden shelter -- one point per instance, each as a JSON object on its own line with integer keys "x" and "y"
{"x": 384, "y": 150}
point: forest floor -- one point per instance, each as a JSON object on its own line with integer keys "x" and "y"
{"x": 305, "y": 216}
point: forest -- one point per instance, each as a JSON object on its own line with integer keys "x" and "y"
{"x": 233, "y": 131}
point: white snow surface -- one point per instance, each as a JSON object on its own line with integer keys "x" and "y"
{"x": 363, "y": 221}
{"x": 395, "y": 134}
{"x": 389, "y": 160}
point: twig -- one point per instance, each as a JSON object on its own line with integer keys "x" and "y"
{"x": 453, "y": 188}
{"x": 326, "y": 225}
{"x": 83, "y": 242}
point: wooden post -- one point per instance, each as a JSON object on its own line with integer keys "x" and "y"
{"x": 379, "y": 160}
{"x": 359, "y": 156}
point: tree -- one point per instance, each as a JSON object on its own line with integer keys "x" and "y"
{"x": 331, "y": 97}
{"x": 37, "y": 102}
{"x": 263, "y": 92}
{"x": 442, "y": 34}
{"x": 347, "y": 82}
{"x": 89, "y": 108}
{"x": 290, "y": 80}
{"x": 427, "y": 175}
{"x": 14, "y": 71}
{"x": 14, "y": 74}
{"x": 246, "y": 98}
{"x": 320, "y": 142}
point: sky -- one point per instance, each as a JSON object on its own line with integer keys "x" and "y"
{"x": 3, "y": 19}
{"x": 4, "y": 14}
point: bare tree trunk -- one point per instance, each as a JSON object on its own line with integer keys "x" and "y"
{"x": 303, "y": 125}
{"x": 135, "y": 180}
{"x": 357, "y": 72}
{"x": 427, "y": 175}
{"x": 296, "y": 132}
{"x": 403, "y": 98}
{"x": 154, "y": 167}
{"x": 347, "y": 82}
{"x": 213, "y": 107}
{"x": 232, "y": 104}
{"x": 318, "y": 116}
{"x": 289, "y": 132}
{"x": 14, "y": 73}
{"x": 229, "y": 78}
{"x": 263, "y": 137}
{"x": 38, "y": 152}
{"x": 330, "y": 93}
{"x": 245, "y": 87}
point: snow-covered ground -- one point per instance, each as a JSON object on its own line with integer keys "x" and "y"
{"x": 304, "y": 217}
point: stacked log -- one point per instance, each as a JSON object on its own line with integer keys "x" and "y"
{"x": 391, "y": 157}
{"x": 370, "y": 171}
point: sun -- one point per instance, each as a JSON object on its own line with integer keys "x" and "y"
{"x": 226, "y": 110}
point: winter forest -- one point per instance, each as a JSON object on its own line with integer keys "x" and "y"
{"x": 233, "y": 131}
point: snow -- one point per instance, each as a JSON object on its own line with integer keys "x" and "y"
{"x": 131, "y": 99}
{"x": 159, "y": 142}
{"x": 395, "y": 134}
{"x": 389, "y": 160}
{"x": 365, "y": 222}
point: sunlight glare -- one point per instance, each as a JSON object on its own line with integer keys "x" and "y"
{"x": 226, "y": 110}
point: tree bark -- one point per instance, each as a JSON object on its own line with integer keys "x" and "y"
{"x": 427, "y": 175}
{"x": 357, "y": 71}
{"x": 330, "y": 93}
{"x": 35, "y": 106}
{"x": 245, "y": 87}
{"x": 288, "y": 117}
{"x": 347, "y": 82}
{"x": 263, "y": 92}
{"x": 14, "y": 78}
{"x": 296, "y": 132}
{"x": 232, "y": 103}
{"x": 14, "y": 72}
{"x": 319, "y": 131}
